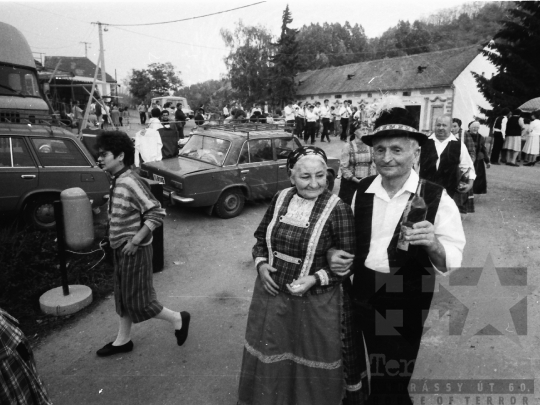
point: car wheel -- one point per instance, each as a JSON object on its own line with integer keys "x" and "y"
{"x": 230, "y": 203}
{"x": 330, "y": 180}
{"x": 39, "y": 213}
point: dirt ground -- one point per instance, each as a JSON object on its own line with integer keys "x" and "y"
{"x": 209, "y": 272}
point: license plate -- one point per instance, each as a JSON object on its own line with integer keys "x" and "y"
{"x": 159, "y": 179}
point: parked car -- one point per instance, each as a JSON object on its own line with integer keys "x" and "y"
{"x": 37, "y": 162}
{"x": 225, "y": 165}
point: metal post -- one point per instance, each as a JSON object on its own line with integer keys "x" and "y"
{"x": 60, "y": 237}
{"x": 103, "y": 72}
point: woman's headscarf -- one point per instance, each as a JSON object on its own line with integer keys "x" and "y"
{"x": 304, "y": 151}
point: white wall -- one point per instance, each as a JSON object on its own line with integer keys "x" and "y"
{"x": 467, "y": 96}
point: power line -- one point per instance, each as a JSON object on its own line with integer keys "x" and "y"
{"x": 184, "y": 19}
{"x": 168, "y": 40}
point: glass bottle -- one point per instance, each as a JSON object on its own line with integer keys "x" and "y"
{"x": 415, "y": 211}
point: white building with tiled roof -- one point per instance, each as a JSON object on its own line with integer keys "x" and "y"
{"x": 429, "y": 84}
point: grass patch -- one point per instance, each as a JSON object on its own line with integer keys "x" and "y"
{"x": 30, "y": 267}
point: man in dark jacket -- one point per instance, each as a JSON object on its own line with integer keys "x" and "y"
{"x": 180, "y": 119}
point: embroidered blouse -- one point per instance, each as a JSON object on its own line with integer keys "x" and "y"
{"x": 295, "y": 234}
{"x": 356, "y": 161}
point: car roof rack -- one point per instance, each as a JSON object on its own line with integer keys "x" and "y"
{"x": 41, "y": 120}
{"x": 242, "y": 126}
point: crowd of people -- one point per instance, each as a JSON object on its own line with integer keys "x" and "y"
{"x": 515, "y": 134}
{"x": 327, "y": 266}
{"x": 308, "y": 121}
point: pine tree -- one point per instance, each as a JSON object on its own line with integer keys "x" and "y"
{"x": 285, "y": 63}
{"x": 515, "y": 50}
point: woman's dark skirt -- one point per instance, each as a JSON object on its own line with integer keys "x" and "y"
{"x": 301, "y": 350}
{"x": 480, "y": 183}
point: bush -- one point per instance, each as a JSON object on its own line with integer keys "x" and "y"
{"x": 30, "y": 267}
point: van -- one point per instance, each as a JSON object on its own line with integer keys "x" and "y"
{"x": 175, "y": 100}
{"x": 39, "y": 158}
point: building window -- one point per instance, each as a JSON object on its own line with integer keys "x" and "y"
{"x": 369, "y": 95}
{"x": 406, "y": 93}
{"x": 338, "y": 96}
{"x": 313, "y": 97}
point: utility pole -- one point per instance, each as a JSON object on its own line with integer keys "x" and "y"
{"x": 102, "y": 58}
{"x": 86, "y": 46}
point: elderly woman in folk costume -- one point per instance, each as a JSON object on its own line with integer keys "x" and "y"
{"x": 300, "y": 347}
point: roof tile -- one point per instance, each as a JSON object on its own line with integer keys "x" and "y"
{"x": 441, "y": 69}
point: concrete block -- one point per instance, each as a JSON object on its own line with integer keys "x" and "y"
{"x": 53, "y": 302}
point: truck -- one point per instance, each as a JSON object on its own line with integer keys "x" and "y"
{"x": 39, "y": 156}
{"x": 175, "y": 99}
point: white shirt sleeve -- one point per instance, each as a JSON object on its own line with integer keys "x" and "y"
{"x": 503, "y": 126}
{"x": 466, "y": 162}
{"x": 449, "y": 232}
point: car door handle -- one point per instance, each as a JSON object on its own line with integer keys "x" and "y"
{"x": 244, "y": 171}
{"x": 282, "y": 166}
{"x": 28, "y": 176}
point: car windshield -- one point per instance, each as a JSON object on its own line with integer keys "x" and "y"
{"x": 206, "y": 149}
{"x": 18, "y": 81}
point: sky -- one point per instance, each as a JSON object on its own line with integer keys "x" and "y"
{"x": 194, "y": 47}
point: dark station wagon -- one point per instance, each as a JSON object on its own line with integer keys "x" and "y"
{"x": 225, "y": 165}
{"x": 37, "y": 162}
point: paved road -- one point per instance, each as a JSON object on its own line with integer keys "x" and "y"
{"x": 209, "y": 272}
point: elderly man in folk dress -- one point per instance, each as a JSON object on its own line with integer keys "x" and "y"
{"x": 395, "y": 265}
{"x": 444, "y": 159}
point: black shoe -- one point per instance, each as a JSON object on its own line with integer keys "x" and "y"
{"x": 182, "y": 333}
{"x": 495, "y": 163}
{"x": 512, "y": 164}
{"x": 109, "y": 349}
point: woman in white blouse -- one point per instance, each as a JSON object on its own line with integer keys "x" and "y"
{"x": 532, "y": 145}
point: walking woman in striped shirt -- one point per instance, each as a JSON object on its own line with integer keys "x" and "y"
{"x": 133, "y": 214}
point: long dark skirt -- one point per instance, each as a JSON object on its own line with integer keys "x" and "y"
{"x": 465, "y": 202}
{"x": 480, "y": 183}
{"x": 301, "y": 350}
{"x": 134, "y": 292}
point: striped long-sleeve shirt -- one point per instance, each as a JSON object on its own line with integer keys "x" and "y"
{"x": 132, "y": 205}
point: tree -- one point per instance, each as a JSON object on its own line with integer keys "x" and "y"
{"x": 286, "y": 64}
{"x": 515, "y": 50}
{"x": 156, "y": 79}
{"x": 248, "y": 61}
{"x": 212, "y": 94}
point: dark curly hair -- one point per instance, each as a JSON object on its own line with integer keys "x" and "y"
{"x": 117, "y": 142}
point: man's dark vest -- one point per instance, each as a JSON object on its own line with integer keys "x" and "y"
{"x": 512, "y": 126}
{"x": 413, "y": 264}
{"x": 498, "y": 123}
{"x": 448, "y": 173}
